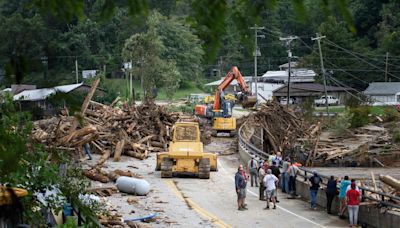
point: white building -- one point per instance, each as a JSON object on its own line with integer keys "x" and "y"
{"x": 383, "y": 93}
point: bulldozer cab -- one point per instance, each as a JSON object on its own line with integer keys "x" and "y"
{"x": 186, "y": 132}
{"x": 185, "y": 153}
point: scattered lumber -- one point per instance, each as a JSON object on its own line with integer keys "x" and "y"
{"x": 96, "y": 175}
{"x": 391, "y": 181}
{"x": 103, "y": 191}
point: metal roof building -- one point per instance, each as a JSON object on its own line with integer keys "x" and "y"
{"x": 384, "y": 93}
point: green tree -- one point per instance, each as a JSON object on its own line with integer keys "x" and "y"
{"x": 22, "y": 45}
{"x": 144, "y": 51}
{"x": 180, "y": 45}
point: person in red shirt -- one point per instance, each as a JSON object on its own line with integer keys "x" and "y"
{"x": 353, "y": 203}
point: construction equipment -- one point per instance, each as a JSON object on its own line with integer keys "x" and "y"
{"x": 220, "y": 112}
{"x": 185, "y": 154}
{"x": 6, "y": 196}
{"x": 210, "y": 99}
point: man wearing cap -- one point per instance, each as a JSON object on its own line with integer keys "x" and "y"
{"x": 240, "y": 186}
{"x": 253, "y": 167}
{"x": 262, "y": 171}
{"x": 314, "y": 182}
{"x": 270, "y": 181}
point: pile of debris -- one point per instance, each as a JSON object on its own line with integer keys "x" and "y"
{"x": 281, "y": 126}
{"x": 131, "y": 130}
{"x": 366, "y": 146}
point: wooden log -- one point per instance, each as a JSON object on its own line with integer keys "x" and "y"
{"x": 85, "y": 139}
{"x": 96, "y": 176}
{"x": 157, "y": 144}
{"x": 85, "y": 104}
{"x": 118, "y": 150}
{"x": 76, "y": 134}
{"x": 104, "y": 157}
{"x": 135, "y": 154}
{"x": 391, "y": 181}
{"x": 145, "y": 139}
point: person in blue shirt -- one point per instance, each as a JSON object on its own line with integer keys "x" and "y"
{"x": 342, "y": 195}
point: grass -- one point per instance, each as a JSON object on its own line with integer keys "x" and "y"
{"x": 120, "y": 85}
{"x": 375, "y": 110}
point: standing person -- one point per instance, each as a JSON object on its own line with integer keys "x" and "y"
{"x": 285, "y": 176}
{"x": 342, "y": 195}
{"x": 293, "y": 171}
{"x": 315, "y": 180}
{"x": 331, "y": 189}
{"x": 261, "y": 174}
{"x": 253, "y": 166}
{"x": 353, "y": 203}
{"x": 349, "y": 186}
{"x": 276, "y": 172}
{"x": 270, "y": 181}
{"x": 240, "y": 186}
{"x": 277, "y": 158}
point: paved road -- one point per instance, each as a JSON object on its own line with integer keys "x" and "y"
{"x": 192, "y": 202}
{"x": 217, "y": 197}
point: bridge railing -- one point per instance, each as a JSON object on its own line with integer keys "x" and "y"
{"x": 383, "y": 200}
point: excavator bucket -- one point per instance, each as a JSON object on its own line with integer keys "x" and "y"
{"x": 249, "y": 101}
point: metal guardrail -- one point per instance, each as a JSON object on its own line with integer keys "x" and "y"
{"x": 308, "y": 173}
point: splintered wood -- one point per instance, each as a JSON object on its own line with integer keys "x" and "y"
{"x": 281, "y": 125}
{"x": 134, "y": 131}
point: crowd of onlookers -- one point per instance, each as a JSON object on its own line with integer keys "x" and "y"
{"x": 274, "y": 173}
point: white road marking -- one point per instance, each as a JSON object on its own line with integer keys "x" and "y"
{"x": 279, "y": 207}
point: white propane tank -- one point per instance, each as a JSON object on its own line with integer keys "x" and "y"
{"x": 133, "y": 185}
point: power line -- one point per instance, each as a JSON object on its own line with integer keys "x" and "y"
{"x": 365, "y": 61}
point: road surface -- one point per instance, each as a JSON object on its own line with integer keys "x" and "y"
{"x": 184, "y": 202}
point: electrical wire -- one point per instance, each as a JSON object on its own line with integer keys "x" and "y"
{"x": 365, "y": 61}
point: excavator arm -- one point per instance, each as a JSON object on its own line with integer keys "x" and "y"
{"x": 234, "y": 73}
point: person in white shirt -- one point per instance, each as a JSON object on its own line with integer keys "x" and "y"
{"x": 270, "y": 182}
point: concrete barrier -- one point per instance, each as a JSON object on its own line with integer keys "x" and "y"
{"x": 369, "y": 214}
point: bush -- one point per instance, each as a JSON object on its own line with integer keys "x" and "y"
{"x": 342, "y": 124}
{"x": 396, "y": 136}
{"x": 307, "y": 108}
{"x": 359, "y": 116}
{"x": 391, "y": 114}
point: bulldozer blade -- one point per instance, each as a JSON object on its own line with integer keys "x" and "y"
{"x": 249, "y": 102}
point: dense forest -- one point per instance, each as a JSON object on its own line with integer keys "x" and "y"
{"x": 175, "y": 43}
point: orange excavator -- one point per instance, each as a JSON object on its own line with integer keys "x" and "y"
{"x": 220, "y": 112}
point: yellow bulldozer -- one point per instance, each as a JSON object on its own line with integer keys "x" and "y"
{"x": 185, "y": 154}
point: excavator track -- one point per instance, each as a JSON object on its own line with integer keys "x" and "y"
{"x": 204, "y": 168}
{"x": 166, "y": 168}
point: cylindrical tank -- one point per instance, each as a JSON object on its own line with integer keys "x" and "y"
{"x": 133, "y": 185}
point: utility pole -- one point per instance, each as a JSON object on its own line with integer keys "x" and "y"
{"x": 76, "y": 71}
{"x": 288, "y": 40}
{"x": 386, "y": 67}
{"x": 131, "y": 85}
{"x": 256, "y": 53}
{"x": 318, "y": 39}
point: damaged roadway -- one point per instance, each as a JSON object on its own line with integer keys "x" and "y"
{"x": 206, "y": 203}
